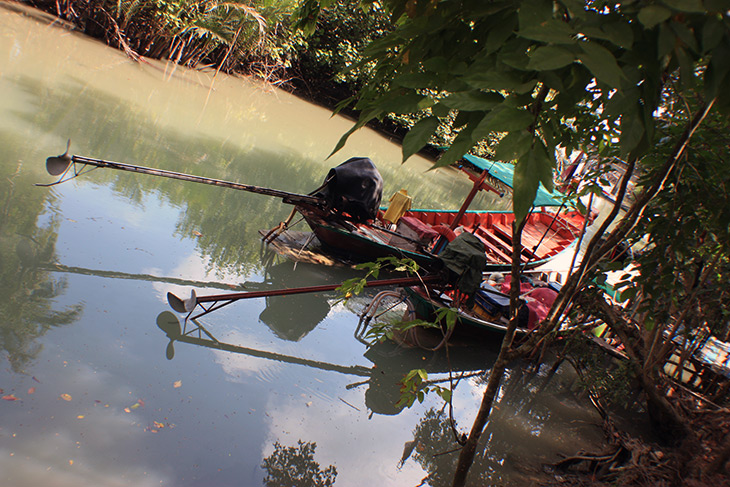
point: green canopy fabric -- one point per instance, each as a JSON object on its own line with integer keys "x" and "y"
{"x": 504, "y": 172}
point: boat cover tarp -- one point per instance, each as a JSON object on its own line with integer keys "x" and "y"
{"x": 354, "y": 188}
{"x": 465, "y": 258}
{"x": 504, "y": 172}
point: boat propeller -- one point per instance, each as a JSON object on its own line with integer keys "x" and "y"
{"x": 182, "y": 305}
{"x": 57, "y": 165}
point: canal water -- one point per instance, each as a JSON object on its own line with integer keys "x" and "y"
{"x": 96, "y": 394}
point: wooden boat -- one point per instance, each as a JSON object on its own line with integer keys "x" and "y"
{"x": 487, "y": 315}
{"x": 420, "y": 234}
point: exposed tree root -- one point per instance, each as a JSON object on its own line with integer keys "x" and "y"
{"x": 701, "y": 460}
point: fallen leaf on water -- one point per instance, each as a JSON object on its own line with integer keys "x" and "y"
{"x": 80, "y": 416}
{"x": 10, "y": 397}
{"x": 177, "y": 383}
{"x": 31, "y": 390}
{"x": 70, "y": 462}
{"x": 65, "y": 397}
{"x": 197, "y": 233}
{"x": 127, "y": 410}
{"x": 35, "y": 379}
{"x": 158, "y": 425}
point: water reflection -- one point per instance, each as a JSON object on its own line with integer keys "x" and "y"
{"x": 390, "y": 361}
{"x": 27, "y": 289}
{"x": 295, "y": 466}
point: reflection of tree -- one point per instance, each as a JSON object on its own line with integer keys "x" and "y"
{"x": 435, "y": 449}
{"x": 26, "y": 291}
{"x": 524, "y": 425}
{"x": 295, "y": 467}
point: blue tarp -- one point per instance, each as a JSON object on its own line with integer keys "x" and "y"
{"x": 504, "y": 172}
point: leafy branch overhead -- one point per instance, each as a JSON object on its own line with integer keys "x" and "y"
{"x": 547, "y": 73}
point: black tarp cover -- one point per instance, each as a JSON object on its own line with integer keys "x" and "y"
{"x": 355, "y": 188}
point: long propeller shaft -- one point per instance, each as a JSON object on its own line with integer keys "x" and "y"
{"x": 60, "y": 165}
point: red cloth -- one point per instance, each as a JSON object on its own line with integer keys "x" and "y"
{"x": 538, "y": 300}
{"x": 506, "y": 286}
{"x": 423, "y": 230}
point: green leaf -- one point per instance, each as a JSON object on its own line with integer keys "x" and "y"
{"x": 712, "y": 33}
{"x": 692, "y": 6}
{"x": 416, "y": 80}
{"x": 551, "y": 30}
{"x": 665, "y": 41}
{"x": 513, "y": 146}
{"x": 498, "y": 80}
{"x": 652, "y": 15}
{"x": 440, "y": 110}
{"x": 500, "y": 33}
{"x": 419, "y": 136}
{"x": 619, "y": 33}
{"x": 405, "y": 103}
{"x": 686, "y": 35}
{"x": 534, "y": 12}
{"x": 601, "y": 63}
{"x": 473, "y": 100}
{"x": 504, "y": 118}
{"x": 546, "y": 58}
{"x": 529, "y": 171}
{"x": 632, "y": 130}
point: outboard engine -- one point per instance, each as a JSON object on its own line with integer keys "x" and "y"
{"x": 354, "y": 189}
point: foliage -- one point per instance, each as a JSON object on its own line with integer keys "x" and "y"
{"x": 296, "y": 467}
{"x": 544, "y": 73}
{"x": 252, "y": 37}
{"x": 355, "y": 286}
{"x": 415, "y": 386}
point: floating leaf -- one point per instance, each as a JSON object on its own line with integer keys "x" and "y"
{"x": 10, "y": 397}
{"x": 80, "y": 416}
{"x": 31, "y": 390}
{"x": 197, "y": 233}
{"x": 65, "y": 397}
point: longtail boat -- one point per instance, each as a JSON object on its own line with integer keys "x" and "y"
{"x": 345, "y": 216}
{"x": 420, "y": 234}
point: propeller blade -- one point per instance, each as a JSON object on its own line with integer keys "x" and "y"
{"x": 182, "y": 305}
{"x": 190, "y": 303}
{"x": 57, "y": 165}
{"x": 175, "y": 303}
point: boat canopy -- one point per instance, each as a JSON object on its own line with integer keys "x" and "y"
{"x": 504, "y": 172}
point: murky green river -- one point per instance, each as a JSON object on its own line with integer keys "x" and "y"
{"x": 93, "y": 392}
